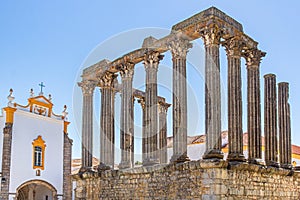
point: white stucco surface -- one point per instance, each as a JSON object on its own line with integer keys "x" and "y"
{"x": 27, "y": 127}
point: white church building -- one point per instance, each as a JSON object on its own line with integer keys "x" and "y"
{"x": 36, "y": 151}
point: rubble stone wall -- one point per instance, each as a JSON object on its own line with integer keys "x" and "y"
{"x": 191, "y": 180}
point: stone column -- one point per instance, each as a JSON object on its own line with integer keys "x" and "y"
{"x": 107, "y": 131}
{"x": 253, "y": 58}
{"x": 270, "y": 110}
{"x": 151, "y": 62}
{"x": 87, "y": 124}
{"x": 127, "y": 123}
{"x": 211, "y": 37}
{"x": 144, "y": 139}
{"x": 285, "y": 146}
{"x": 163, "y": 109}
{"x": 132, "y": 132}
{"x": 179, "y": 48}
{"x": 235, "y": 113}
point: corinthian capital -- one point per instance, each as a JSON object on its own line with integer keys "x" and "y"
{"x": 126, "y": 70}
{"x": 179, "y": 47}
{"x": 151, "y": 59}
{"x": 87, "y": 87}
{"x": 234, "y": 46}
{"x": 211, "y": 35}
{"x": 253, "y": 57}
{"x": 142, "y": 102}
{"x": 107, "y": 81}
{"x": 163, "y": 107}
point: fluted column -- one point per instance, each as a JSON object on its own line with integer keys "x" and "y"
{"x": 127, "y": 123}
{"x": 253, "y": 58}
{"x": 179, "y": 48}
{"x": 211, "y": 37}
{"x": 151, "y": 62}
{"x": 235, "y": 113}
{"x": 87, "y": 124}
{"x": 144, "y": 139}
{"x": 285, "y": 146}
{"x": 163, "y": 109}
{"x": 132, "y": 131}
{"x": 270, "y": 110}
{"x": 107, "y": 131}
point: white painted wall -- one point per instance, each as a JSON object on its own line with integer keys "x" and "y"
{"x": 27, "y": 126}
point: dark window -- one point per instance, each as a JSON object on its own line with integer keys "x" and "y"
{"x": 38, "y": 156}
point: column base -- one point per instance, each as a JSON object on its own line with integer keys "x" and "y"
{"x": 236, "y": 157}
{"x": 213, "y": 153}
{"x": 256, "y": 161}
{"x": 179, "y": 158}
{"x": 272, "y": 163}
{"x": 103, "y": 167}
{"x": 286, "y": 166}
{"x": 125, "y": 165}
{"x": 150, "y": 161}
{"x": 85, "y": 169}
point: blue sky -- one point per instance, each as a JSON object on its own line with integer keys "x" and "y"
{"x": 49, "y": 41}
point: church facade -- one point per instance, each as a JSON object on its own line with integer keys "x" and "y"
{"x": 36, "y": 151}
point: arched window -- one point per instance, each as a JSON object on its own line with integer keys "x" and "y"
{"x": 38, "y": 153}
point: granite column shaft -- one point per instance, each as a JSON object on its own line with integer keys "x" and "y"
{"x": 151, "y": 62}
{"x": 144, "y": 139}
{"x": 212, "y": 94}
{"x": 87, "y": 124}
{"x": 235, "y": 126}
{"x": 107, "y": 132}
{"x": 253, "y": 58}
{"x": 285, "y": 146}
{"x": 127, "y": 122}
{"x": 163, "y": 109}
{"x": 179, "y": 49}
{"x": 270, "y": 110}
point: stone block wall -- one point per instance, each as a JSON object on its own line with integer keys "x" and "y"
{"x": 67, "y": 179}
{"x": 191, "y": 180}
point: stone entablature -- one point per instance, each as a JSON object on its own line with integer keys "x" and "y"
{"x": 190, "y": 29}
{"x": 209, "y": 14}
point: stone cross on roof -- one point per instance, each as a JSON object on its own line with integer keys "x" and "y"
{"x": 41, "y": 85}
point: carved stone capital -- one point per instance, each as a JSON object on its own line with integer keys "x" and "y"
{"x": 234, "y": 46}
{"x": 87, "y": 87}
{"x": 108, "y": 80}
{"x": 163, "y": 107}
{"x": 179, "y": 47}
{"x": 253, "y": 57}
{"x": 126, "y": 70}
{"x": 142, "y": 102}
{"x": 152, "y": 59}
{"x": 211, "y": 35}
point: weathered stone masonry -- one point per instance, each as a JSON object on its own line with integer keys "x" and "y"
{"x": 191, "y": 180}
{"x": 6, "y": 160}
{"x": 67, "y": 168}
